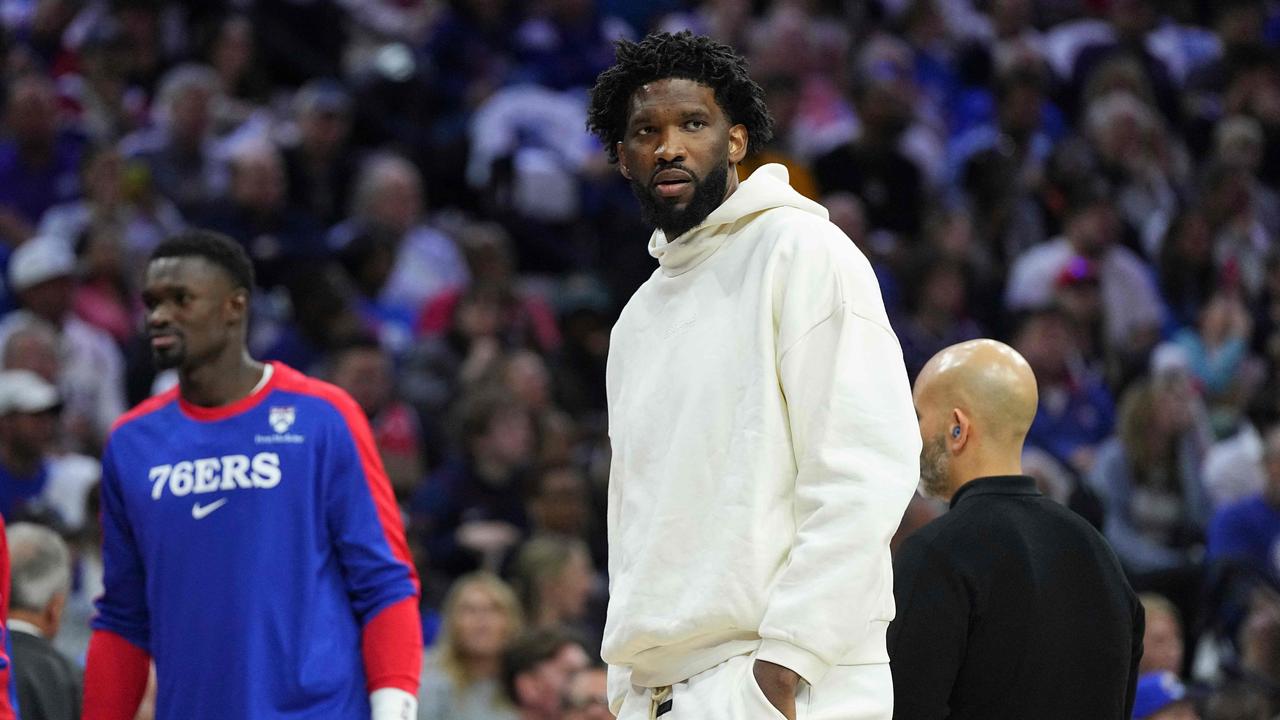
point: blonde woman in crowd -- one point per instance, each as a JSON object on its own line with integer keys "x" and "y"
{"x": 460, "y": 674}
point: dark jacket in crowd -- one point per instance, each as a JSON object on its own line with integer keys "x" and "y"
{"x": 1010, "y": 607}
{"x": 49, "y": 685}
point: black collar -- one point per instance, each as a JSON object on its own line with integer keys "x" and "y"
{"x": 997, "y": 485}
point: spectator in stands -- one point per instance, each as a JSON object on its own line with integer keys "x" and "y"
{"x": 39, "y": 161}
{"x": 872, "y": 167}
{"x": 1248, "y": 529}
{"x": 33, "y": 347}
{"x": 1092, "y": 231}
{"x": 1188, "y": 273}
{"x": 1148, "y": 476}
{"x": 109, "y": 105}
{"x": 281, "y": 240}
{"x": 560, "y": 504}
{"x": 527, "y": 319}
{"x": 104, "y": 297}
{"x": 939, "y": 316}
{"x": 553, "y": 577}
{"x": 538, "y": 669}
{"x": 460, "y": 675}
{"x": 1002, "y": 164}
{"x": 322, "y": 166}
{"x": 470, "y": 513}
{"x": 587, "y": 697}
{"x": 115, "y": 199}
{"x": 1076, "y": 411}
{"x": 388, "y": 194}
{"x": 92, "y": 385}
{"x": 49, "y": 684}
{"x": 1162, "y": 643}
{"x": 180, "y": 153}
{"x": 34, "y": 481}
{"x": 365, "y": 371}
{"x": 1218, "y": 348}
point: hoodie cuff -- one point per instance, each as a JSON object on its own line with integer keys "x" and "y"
{"x": 804, "y": 663}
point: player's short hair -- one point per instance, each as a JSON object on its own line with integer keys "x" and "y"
{"x": 530, "y": 650}
{"x": 682, "y": 55}
{"x": 213, "y": 247}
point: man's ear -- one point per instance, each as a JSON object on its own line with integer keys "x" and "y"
{"x": 622, "y": 164}
{"x": 958, "y": 435}
{"x": 737, "y": 143}
{"x": 238, "y": 306}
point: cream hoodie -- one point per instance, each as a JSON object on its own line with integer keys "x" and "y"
{"x": 765, "y": 448}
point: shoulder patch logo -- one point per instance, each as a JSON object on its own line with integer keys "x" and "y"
{"x": 281, "y": 418}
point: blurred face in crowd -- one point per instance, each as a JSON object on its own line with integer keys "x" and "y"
{"x": 194, "y": 311}
{"x": 29, "y": 349}
{"x": 542, "y": 689}
{"x": 885, "y": 110}
{"x": 190, "y": 115}
{"x": 398, "y": 201}
{"x": 569, "y": 590}
{"x": 49, "y": 300}
{"x": 1162, "y": 643}
{"x": 680, "y": 153}
{"x": 1045, "y": 341}
{"x": 257, "y": 181}
{"x": 944, "y": 292}
{"x": 32, "y": 434}
{"x": 561, "y": 503}
{"x": 365, "y": 373}
{"x": 1092, "y": 229}
{"x": 1020, "y": 110}
{"x": 1271, "y": 464}
{"x": 481, "y": 625}
{"x": 529, "y": 380}
{"x": 32, "y": 113}
{"x": 104, "y": 177}
{"x": 1011, "y": 17}
{"x": 233, "y": 51}
{"x": 509, "y": 439}
{"x": 588, "y": 696}
{"x": 324, "y": 131}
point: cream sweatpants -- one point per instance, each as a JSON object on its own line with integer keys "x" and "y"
{"x": 729, "y": 691}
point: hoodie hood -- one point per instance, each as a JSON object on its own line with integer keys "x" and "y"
{"x": 768, "y": 187}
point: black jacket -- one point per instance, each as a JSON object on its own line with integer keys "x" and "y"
{"x": 1012, "y": 607}
{"x": 49, "y": 685}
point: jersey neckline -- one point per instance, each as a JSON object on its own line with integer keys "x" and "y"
{"x": 222, "y": 412}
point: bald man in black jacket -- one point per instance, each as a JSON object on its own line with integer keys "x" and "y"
{"x": 1010, "y": 607}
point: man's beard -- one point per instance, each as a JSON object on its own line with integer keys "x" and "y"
{"x": 935, "y": 468}
{"x": 708, "y": 193}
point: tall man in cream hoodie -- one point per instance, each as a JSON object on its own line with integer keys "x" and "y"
{"x": 764, "y": 441}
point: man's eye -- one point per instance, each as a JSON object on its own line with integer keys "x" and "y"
{"x": 644, "y": 131}
{"x": 695, "y": 124}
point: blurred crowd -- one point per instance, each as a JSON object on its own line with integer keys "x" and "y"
{"x": 1096, "y": 182}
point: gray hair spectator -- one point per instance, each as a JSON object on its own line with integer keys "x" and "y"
{"x": 389, "y": 194}
{"x": 49, "y": 684}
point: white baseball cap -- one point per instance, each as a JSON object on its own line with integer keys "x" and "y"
{"x": 40, "y": 259}
{"x": 22, "y": 391}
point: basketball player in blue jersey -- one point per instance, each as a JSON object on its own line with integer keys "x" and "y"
{"x": 251, "y": 544}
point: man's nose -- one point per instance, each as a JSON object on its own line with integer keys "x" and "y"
{"x": 670, "y": 146}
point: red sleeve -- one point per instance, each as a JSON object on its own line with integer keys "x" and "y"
{"x": 115, "y": 677}
{"x": 391, "y": 643}
{"x": 8, "y": 683}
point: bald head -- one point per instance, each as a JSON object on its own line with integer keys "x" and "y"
{"x": 976, "y": 401}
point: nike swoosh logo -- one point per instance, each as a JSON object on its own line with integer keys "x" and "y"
{"x": 200, "y": 512}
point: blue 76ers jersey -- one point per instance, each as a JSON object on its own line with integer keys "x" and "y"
{"x": 246, "y": 546}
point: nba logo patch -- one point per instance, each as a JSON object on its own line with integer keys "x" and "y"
{"x": 281, "y": 418}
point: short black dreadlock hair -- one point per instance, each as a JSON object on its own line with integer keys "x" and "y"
{"x": 682, "y": 55}
{"x": 213, "y": 247}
